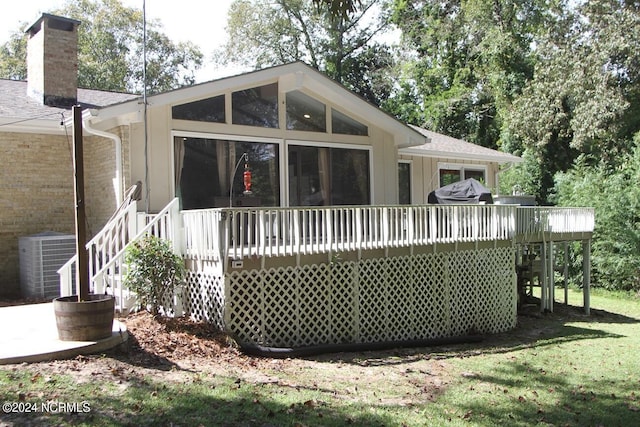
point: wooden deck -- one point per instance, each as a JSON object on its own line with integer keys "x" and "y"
{"x": 226, "y": 237}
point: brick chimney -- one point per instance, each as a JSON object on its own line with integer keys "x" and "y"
{"x": 52, "y": 61}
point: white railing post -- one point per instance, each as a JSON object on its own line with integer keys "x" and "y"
{"x": 66, "y": 277}
{"x": 177, "y": 231}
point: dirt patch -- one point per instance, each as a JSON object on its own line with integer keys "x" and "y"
{"x": 175, "y": 349}
{"x": 176, "y": 338}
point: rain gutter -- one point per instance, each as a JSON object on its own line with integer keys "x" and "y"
{"x": 86, "y": 125}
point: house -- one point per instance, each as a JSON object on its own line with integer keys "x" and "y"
{"x": 299, "y": 208}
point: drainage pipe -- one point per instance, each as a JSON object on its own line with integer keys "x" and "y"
{"x": 118, "y": 148}
{"x": 285, "y": 352}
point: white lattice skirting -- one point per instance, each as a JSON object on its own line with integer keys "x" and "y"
{"x": 398, "y": 299}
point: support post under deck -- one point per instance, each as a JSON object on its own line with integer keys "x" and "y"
{"x": 586, "y": 275}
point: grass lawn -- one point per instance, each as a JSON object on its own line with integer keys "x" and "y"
{"x": 560, "y": 369}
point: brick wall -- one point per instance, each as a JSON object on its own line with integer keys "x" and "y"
{"x": 36, "y": 191}
{"x": 100, "y": 164}
{"x": 36, "y": 194}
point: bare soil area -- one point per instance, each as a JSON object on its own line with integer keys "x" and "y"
{"x": 169, "y": 348}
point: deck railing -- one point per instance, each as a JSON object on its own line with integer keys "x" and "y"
{"x": 236, "y": 233}
{"x": 537, "y": 222}
{"x": 215, "y": 234}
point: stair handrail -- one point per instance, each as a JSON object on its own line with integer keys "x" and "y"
{"x": 125, "y": 213}
{"x": 65, "y": 271}
{"x": 168, "y": 232}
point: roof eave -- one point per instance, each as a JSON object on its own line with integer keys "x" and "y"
{"x": 507, "y": 158}
{"x": 37, "y": 126}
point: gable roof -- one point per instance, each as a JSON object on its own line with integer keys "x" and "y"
{"x": 291, "y": 76}
{"x": 21, "y": 113}
{"x": 453, "y": 148}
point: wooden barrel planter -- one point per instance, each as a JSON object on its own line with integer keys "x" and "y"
{"x": 89, "y": 320}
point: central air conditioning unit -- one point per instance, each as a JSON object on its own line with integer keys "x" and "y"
{"x": 41, "y": 255}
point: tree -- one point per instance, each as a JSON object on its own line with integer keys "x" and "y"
{"x": 110, "y": 45}
{"x": 338, "y": 7}
{"x": 615, "y": 196}
{"x": 13, "y": 64}
{"x": 584, "y": 96}
{"x": 266, "y": 33}
{"x": 469, "y": 60}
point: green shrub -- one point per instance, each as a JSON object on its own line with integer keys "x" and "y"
{"x": 615, "y": 195}
{"x": 153, "y": 271}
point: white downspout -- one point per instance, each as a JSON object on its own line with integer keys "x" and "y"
{"x": 118, "y": 146}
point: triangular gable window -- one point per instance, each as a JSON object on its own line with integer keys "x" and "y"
{"x": 345, "y": 125}
{"x": 205, "y": 110}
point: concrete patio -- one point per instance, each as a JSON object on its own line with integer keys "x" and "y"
{"x": 29, "y": 334}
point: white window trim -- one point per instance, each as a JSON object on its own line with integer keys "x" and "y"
{"x": 461, "y": 167}
{"x": 322, "y": 144}
{"x": 241, "y": 138}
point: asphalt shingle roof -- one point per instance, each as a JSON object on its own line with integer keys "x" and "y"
{"x": 15, "y": 103}
{"x": 446, "y": 146}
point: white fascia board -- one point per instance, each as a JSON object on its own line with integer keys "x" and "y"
{"x": 17, "y": 125}
{"x": 124, "y": 113}
{"x": 508, "y": 158}
{"x": 409, "y": 142}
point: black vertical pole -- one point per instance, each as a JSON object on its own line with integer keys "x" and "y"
{"x": 82, "y": 266}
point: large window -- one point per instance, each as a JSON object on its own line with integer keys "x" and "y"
{"x": 450, "y": 173}
{"x": 258, "y": 106}
{"x": 328, "y": 176}
{"x": 205, "y": 176}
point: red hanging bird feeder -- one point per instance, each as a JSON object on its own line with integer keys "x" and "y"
{"x": 247, "y": 177}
